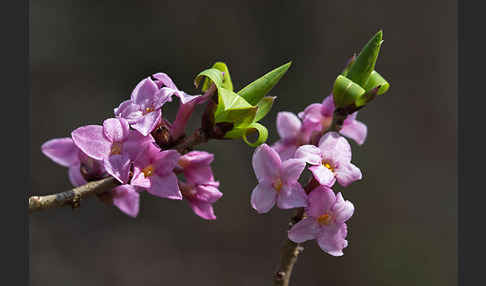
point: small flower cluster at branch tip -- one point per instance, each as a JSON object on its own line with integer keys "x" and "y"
{"x": 144, "y": 151}
{"x": 123, "y": 147}
{"x": 314, "y": 138}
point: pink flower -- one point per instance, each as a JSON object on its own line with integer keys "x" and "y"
{"x": 332, "y": 160}
{"x": 168, "y": 88}
{"x": 200, "y": 189}
{"x": 113, "y": 143}
{"x": 142, "y": 110}
{"x": 64, "y": 152}
{"x": 277, "y": 181}
{"x": 318, "y": 118}
{"x": 153, "y": 170}
{"x": 292, "y": 134}
{"x": 325, "y": 221}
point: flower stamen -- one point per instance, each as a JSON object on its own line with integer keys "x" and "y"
{"x": 116, "y": 148}
{"x": 148, "y": 171}
{"x": 277, "y": 185}
{"x": 324, "y": 219}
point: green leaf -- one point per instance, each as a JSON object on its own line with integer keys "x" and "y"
{"x": 367, "y": 97}
{"x": 213, "y": 74}
{"x": 345, "y": 91}
{"x": 375, "y": 80}
{"x": 264, "y": 107}
{"x": 361, "y": 69}
{"x": 226, "y": 82}
{"x": 256, "y": 90}
{"x": 243, "y": 132}
{"x": 233, "y": 108}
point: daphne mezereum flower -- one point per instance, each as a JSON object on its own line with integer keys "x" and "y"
{"x": 64, "y": 152}
{"x": 168, "y": 88}
{"x": 277, "y": 181}
{"x": 331, "y": 160}
{"x": 142, "y": 110}
{"x": 153, "y": 170}
{"x": 317, "y": 117}
{"x": 200, "y": 189}
{"x": 325, "y": 221}
{"x": 113, "y": 143}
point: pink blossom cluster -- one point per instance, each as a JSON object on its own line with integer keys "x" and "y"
{"x": 307, "y": 141}
{"x": 124, "y": 147}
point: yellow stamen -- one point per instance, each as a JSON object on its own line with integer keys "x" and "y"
{"x": 324, "y": 219}
{"x": 277, "y": 185}
{"x": 148, "y": 110}
{"x": 116, "y": 149}
{"x": 148, "y": 171}
{"x": 183, "y": 162}
{"x": 327, "y": 165}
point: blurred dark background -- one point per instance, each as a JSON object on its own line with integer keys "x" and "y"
{"x": 86, "y": 57}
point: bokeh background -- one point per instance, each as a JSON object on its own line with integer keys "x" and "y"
{"x": 86, "y": 57}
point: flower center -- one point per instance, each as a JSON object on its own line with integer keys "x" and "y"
{"x": 148, "y": 110}
{"x": 326, "y": 122}
{"x": 327, "y": 165}
{"x": 183, "y": 162}
{"x": 116, "y": 148}
{"x": 148, "y": 171}
{"x": 277, "y": 185}
{"x": 324, "y": 219}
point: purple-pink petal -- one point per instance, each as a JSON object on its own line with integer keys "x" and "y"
{"x": 145, "y": 92}
{"x": 304, "y": 230}
{"x": 347, "y": 174}
{"x": 116, "y": 129}
{"x": 127, "y": 199}
{"x": 208, "y": 192}
{"x": 165, "y": 161}
{"x": 310, "y": 154}
{"x": 288, "y": 124}
{"x": 162, "y": 79}
{"x": 335, "y": 148}
{"x": 320, "y": 199}
{"x": 354, "y": 129}
{"x": 328, "y": 107}
{"x": 291, "y": 170}
{"x": 148, "y": 122}
{"x": 165, "y": 187}
{"x": 323, "y": 175}
{"x": 332, "y": 239}
{"x": 286, "y": 150}
{"x": 342, "y": 210}
{"x": 92, "y": 141}
{"x": 266, "y": 163}
{"x": 118, "y": 166}
{"x": 292, "y": 196}
{"x": 136, "y": 143}
{"x": 202, "y": 209}
{"x": 263, "y": 197}
{"x": 75, "y": 176}
{"x": 129, "y": 110}
{"x": 62, "y": 151}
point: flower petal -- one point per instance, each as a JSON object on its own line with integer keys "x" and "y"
{"x": 91, "y": 140}
{"x": 321, "y": 199}
{"x": 288, "y": 124}
{"x": 75, "y": 176}
{"x": 165, "y": 162}
{"x": 136, "y": 143}
{"x": 348, "y": 173}
{"x": 310, "y": 154}
{"x": 323, "y": 175}
{"x": 139, "y": 179}
{"x": 354, "y": 129}
{"x": 62, "y": 151}
{"x": 263, "y": 197}
{"x": 127, "y": 199}
{"x": 332, "y": 239}
{"x": 162, "y": 79}
{"x": 165, "y": 187}
{"x": 286, "y": 150}
{"x": 208, "y": 193}
{"x": 144, "y": 93}
{"x": 116, "y": 129}
{"x": 342, "y": 210}
{"x": 335, "y": 148}
{"x": 292, "y": 196}
{"x": 148, "y": 122}
{"x": 129, "y": 110}
{"x": 118, "y": 166}
{"x": 328, "y": 107}
{"x": 202, "y": 209}
{"x": 266, "y": 163}
{"x": 291, "y": 170}
{"x": 304, "y": 230}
